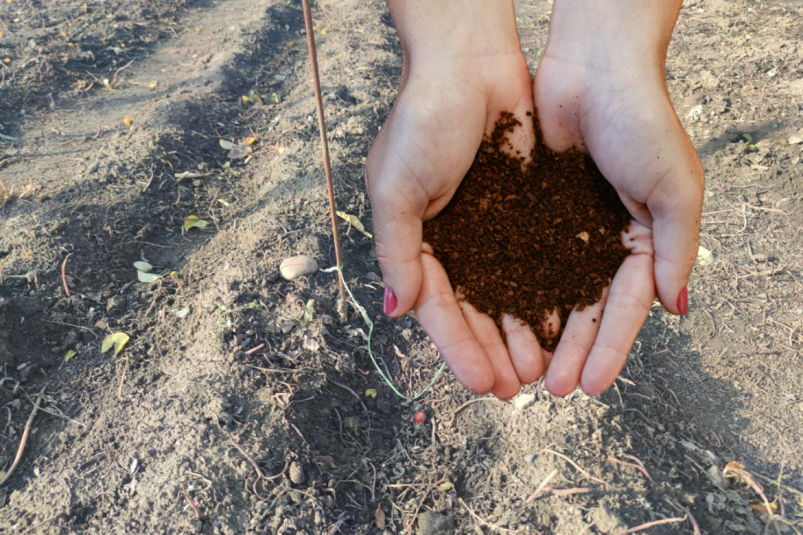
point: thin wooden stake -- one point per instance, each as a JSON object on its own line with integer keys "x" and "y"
{"x": 327, "y": 166}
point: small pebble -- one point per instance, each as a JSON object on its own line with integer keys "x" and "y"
{"x": 297, "y": 475}
{"x": 298, "y": 266}
{"x": 523, "y": 401}
{"x": 795, "y": 140}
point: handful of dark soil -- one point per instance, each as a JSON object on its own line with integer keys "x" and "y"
{"x": 527, "y": 240}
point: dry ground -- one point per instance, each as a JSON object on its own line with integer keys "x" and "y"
{"x": 230, "y": 369}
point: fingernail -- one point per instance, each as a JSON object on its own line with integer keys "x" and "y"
{"x": 389, "y": 302}
{"x": 683, "y": 302}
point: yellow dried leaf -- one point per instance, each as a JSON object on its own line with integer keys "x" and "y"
{"x": 704, "y": 256}
{"x": 355, "y": 222}
{"x": 128, "y": 121}
{"x": 371, "y": 393}
{"x": 762, "y": 508}
{"x": 248, "y": 141}
{"x": 70, "y": 354}
{"x": 116, "y": 340}
{"x": 193, "y": 221}
{"x": 379, "y": 518}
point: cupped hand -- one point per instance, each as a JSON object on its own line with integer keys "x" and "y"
{"x": 418, "y": 159}
{"x": 611, "y": 101}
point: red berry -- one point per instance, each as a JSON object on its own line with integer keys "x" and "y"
{"x": 420, "y": 417}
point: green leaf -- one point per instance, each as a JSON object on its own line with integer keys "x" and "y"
{"x": 225, "y": 144}
{"x": 748, "y": 138}
{"x": 143, "y": 266}
{"x": 117, "y": 340}
{"x": 147, "y": 277}
{"x": 70, "y": 354}
{"x": 193, "y": 221}
{"x": 371, "y": 393}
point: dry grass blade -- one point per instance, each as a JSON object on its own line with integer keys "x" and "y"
{"x": 24, "y": 439}
{"x": 649, "y": 525}
{"x": 736, "y": 470}
{"x": 64, "y": 275}
{"x": 467, "y": 403}
{"x": 486, "y": 523}
{"x": 542, "y": 486}
{"x": 576, "y": 466}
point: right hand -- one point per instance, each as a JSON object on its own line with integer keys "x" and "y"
{"x": 451, "y": 93}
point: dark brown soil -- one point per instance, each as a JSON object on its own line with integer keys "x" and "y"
{"x": 544, "y": 235}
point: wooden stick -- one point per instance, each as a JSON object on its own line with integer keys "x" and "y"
{"x": 327, "y": 166}
{"x": 24, "y": 439}
{"x": 651, "y": 524}
{"x": 64, "y": 274}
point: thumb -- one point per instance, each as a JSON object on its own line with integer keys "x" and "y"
{"x": 676, "y": 205}
{"x": 397, "y": 205}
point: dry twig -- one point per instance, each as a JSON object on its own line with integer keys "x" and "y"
{"x": 576, "y": 466}
{"x": 486, "y": 523}
{"x": 24, "y": 439}
{"x": 651, "y": 525}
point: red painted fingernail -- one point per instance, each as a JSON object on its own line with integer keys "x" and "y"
{"x": 683, "y": 302}
{"x": 389, "y": 302}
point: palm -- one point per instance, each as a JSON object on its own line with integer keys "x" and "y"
{"x": 631, "y": 131}
{"x": 432, "y": 135}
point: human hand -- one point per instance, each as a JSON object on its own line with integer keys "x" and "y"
{"x": 462, "y": 68}
{"x": 600, "y": 87}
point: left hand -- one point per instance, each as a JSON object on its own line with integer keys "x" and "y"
{"x": 600, "y": 88}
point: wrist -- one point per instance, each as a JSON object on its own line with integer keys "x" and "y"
{"x": 446, "y": 30}
{"x": 612, "y": 35}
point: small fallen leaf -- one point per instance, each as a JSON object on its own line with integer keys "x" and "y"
{"x": 704, "y": 256}
{"x": 70, "y": 354}
{"x": 193, "y": 221}
{"x": 188, "y": 174}
{"x": 762, "y": 508}
{"x": 128, "y": 121}
{"x": 144, "y": 276}
{"x": 143, "y": 266}
{"x": 309, "y": 311}
{"x": 226, "y": 144}
{"x": 238, "y": 152}
{"x": 355, "y": 222}
{"x": 118, "y": 340}
{"x": 379, "y": 518}
{"x": 183, "y": 313}
{"x": 324, "y": 31}
{"x": 446, "y": 485}
{"x": 248, "y": 141}
{"x": 370, "y": 393}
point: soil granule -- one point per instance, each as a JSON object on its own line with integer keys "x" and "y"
{"x": 527, "y": 239}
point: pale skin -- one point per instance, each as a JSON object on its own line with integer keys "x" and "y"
{"x": 600, "y": 88}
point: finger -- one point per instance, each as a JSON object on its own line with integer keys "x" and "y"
{"x": 506, "y": 382}
{"x": 397, "y": 213}
{"x": 440, "y": 316}
{"x": 629, "y": 301}
{"x": 575, "y": 344}
{"x": 524, "y": 349}
{"x": 676, "y": 206}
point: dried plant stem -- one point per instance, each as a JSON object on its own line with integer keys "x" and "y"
{"x": 25, "y": 434}
{"x": 327, "y": 166}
